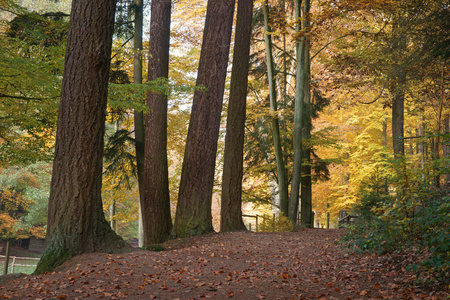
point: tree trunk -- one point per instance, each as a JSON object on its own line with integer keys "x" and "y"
{"x": 306, "y": 181}
{"x": 422, "y": 143}
{"x": 233, "y": 169}
{"x": 193, "y": 215}
{"x": 397, "y": 89}
{"x": 76, "y": 223}
{"x": 384, "y": 141}
{"x": 281, "y": 169}
{"x": 298, "y": 116}
{"x": 139, "y": 129}
{"x": 156, "y": 207}
{"x": 398, "y": 117}
{"x": 446, "y": 150}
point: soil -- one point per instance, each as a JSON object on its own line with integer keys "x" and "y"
{"x": 308, "y": 264}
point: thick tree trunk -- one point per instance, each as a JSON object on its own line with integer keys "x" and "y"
{"x": 156, "y": 207}
{"x": 193, "y": 215}
{"x": 76, "y": 223}
{"x": 281, "y": 169}
{"x": 233, "y": 169}
{"x": 139, "y": 129}
{"x": 298, "y": 116}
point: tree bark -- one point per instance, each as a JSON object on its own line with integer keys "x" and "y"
{"x": 306, "y": 182}
{"x": 193, "y": 215}
{"x": 156, "y": 207}
{"x": 397, "y": 89}
{"x": 139, "y": 128}
{"x": 446, "y": 150}
{"x": 298, "y": 117}
{"x": 281, "y": 169}
{"x": 233, "y": 169}
{"x": 76, "y": 223}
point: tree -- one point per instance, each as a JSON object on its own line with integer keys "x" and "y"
{"x": 276, "y": 137}
{"x": 139, "y": 129}
{"x": 397, "y": 85}
{"x": 156, "y": 206}
{"x": 31, "y": 62}
{"x": 298, "y": 116}
{"x": 76, "y": 223}
{"x": 231, "y": 201}
{"x": 306, "y": 182}
{"x": 193, "y": 215}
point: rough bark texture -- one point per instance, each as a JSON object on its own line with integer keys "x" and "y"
{"x": 276, "y": 136}
{"x": 156, "y": 207}
{"x": 193, "y": 215}
{"x": 139, "y": 129}
{"x": 233, "y": 169}
{"x": 76, "y": 223}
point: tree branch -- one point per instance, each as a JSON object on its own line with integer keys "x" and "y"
{"x": 19, "y": 97}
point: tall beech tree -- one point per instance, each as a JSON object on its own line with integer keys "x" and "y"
{"x": 76, "y": 223}
{"x": 193, "y": 215}
{"x": 139, "y": 128}
{"x": 298, "y": 114}
{"x": 156, "y": 206}
{"x": 233, "y": 169}
{"x": 276, "y": 136}
{"x": 306, "y": 182}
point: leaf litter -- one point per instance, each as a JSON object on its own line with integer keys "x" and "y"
{"x": 307, "y": 264}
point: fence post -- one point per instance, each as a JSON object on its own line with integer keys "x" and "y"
{"x": 256, "y": 223}
{"x": 12, "y": 264}
{"x": 8, "y": 248}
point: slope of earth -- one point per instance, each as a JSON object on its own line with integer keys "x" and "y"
{"x": 308, "y": 264}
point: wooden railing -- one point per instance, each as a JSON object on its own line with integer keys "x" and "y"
{"x": 346, "y": 219}
{"x": 24, "y": 264}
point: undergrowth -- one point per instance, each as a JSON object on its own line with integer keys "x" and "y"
{"x": 413, "y": 217}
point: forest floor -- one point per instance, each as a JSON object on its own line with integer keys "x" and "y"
{"x": 308, "y": 264}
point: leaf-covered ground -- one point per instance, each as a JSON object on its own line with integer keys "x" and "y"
{"x": 308, "y": 264}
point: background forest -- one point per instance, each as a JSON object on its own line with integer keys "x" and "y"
{"x": 374, "y": 118}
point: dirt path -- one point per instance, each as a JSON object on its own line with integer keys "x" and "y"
{"x": 297, "y": 265}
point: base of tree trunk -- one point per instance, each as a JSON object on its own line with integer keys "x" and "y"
{"x": 61, "y": 249}
{"x": 191, "y": 228}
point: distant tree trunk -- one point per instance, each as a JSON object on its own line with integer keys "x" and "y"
{"x": 397, "y": 89}
{"x": 436, "y": 148}
{"x": 233, "y": 169}
{"x": 76, "y": 223}
{"x": 298, "y": 116}
{"x": 193, "y": 215}
{"x": 139, "y": 129}
{"x": 411, "y": 146}
{"x": 446, "y": 148}
{"x": 156, "y": 207}
{"x": 306, "y": 182}
{"x": 384, "y": 141}
{"x": 422, "y": 143}
{"x": 281, "y": 169}
{"x": 398, "y": 117}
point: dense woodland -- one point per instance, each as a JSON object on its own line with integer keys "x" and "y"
{"x": 170, "y": 119}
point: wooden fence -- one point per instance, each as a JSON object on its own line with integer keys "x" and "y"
{"x": 20, "y": 264}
